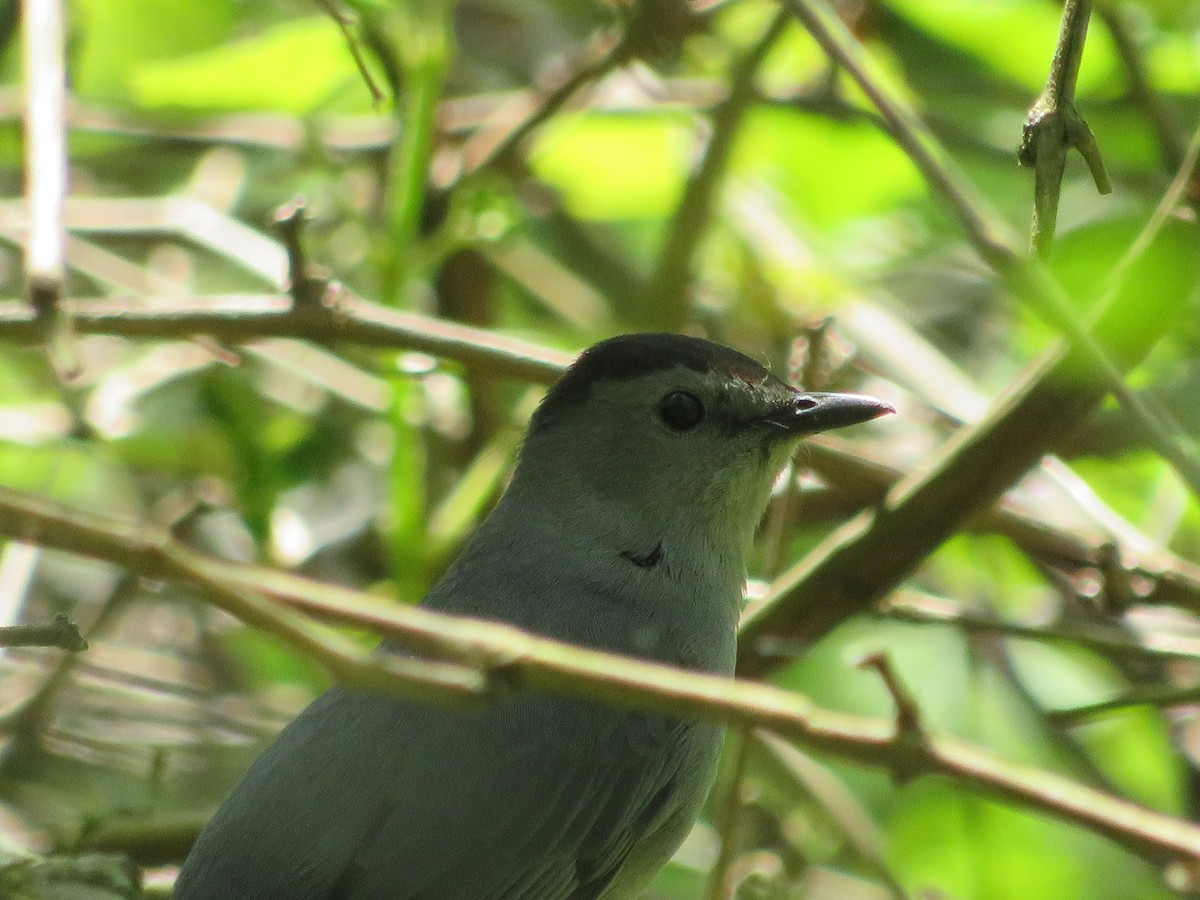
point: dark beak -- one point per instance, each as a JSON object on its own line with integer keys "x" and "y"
{"x": 810, "y": 413}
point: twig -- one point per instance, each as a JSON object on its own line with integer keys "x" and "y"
{"x": 343, "y": 22}
{"x": 46, "y": 177}
{"x": 306, "y": 282}
{"x": 61, "y": 633}
{"x": 486, "y": 650}
{"x": 243, "y": 318}
{"x": 1054, "y": 126}
{"x": 1159, "y": 696}
{"x": 28, "y": 720}
{"x": 673, "y": 278}
{"x": 908, "y": 727}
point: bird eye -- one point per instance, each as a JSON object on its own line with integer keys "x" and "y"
{"x": 681, "y": 410}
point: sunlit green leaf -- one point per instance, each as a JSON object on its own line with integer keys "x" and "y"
{"x": 826, "y": 171}
{"x": 115, "y": 40}
{"x": 973, "y": 26}
{"x": 613, "y": 166}
{"x": 293, "y": 67}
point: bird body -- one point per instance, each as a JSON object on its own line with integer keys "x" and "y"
{"x": 625, "y": 529}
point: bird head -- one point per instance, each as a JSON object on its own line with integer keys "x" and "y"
{"x": 664, "y": 429}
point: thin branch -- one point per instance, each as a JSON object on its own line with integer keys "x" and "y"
{"x": 344, "y": 23}
{"x": 61, "y": 633}
{"x": 912, "y": 606}
{"x": 1054, "y": 126}
{"x": 29, "y": 719}
{"x": 908, "y": 715}
{"x": 245, "y": 318}
{"x": 672, "y": 280}
{"x": 486, "y": 655}
{"x": 306, "y": 282}
{"x": 1159, "y": 696}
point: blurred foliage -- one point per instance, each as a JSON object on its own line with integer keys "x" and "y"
{"x": 370, "y": 467}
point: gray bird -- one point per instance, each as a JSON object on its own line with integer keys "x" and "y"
{"x": 626, "y": 528}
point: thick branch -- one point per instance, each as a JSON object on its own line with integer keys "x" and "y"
{"x": 1171, "y": 580}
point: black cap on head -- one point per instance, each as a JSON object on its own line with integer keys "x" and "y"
{"x": 632, "y": 355}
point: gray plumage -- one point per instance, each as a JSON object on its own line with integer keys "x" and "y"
{"x": 621, "y": 530}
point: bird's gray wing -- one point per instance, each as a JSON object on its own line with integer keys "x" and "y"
{"x": 298, "y": 816}
{"x": 539, "y": 799}
{"x": 365, "y": 796}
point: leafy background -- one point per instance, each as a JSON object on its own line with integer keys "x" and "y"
{"x": 714, "y": 174}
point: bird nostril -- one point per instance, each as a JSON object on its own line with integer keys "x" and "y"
{"x": 806, "y": 403}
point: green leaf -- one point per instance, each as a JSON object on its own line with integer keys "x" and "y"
{"x": 114, "y": 40}
{"x": 612, "y": 166}
{"x": 988, "y": 30}
{"x": 976, "y": 849}
{"x": 263, "y": 661}
{"x": 293, "y": 67}
{"x": 828, "y": 172}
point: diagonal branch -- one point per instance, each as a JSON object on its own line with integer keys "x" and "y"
{"x": 874, "y": 552}
{"x": 1170, "y": 580}
{"x": 492, "y": 145}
